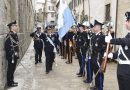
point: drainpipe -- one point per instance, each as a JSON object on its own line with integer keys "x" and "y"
{"x": 83, "y": 8}
{"x": 117, "y": 2}
{"x": 89, "y": 11}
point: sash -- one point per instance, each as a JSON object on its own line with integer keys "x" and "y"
{"x": 51, "y": 42}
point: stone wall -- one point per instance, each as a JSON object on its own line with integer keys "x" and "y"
{"x": 23, "y": 12}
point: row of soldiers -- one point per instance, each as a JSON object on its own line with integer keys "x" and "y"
{"x": 86, "y": 41}
{"x": 89, "y": 46}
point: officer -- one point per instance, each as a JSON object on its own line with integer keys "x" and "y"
{"x": 12, "y": 53}
{"x": 69, "y": 48}
{"x": 38, "y": 44}
{"x": 122, "y": 56}
{"x": 88, "y": 34}
{"x": 81, "y": 52}
{"x": 98, "y": 49}
{"x": 49, "y": 48}
{"x": 64, "y": 47}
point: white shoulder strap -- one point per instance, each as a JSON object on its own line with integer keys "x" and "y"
{"x": 51, "y": 42}
{"x": 121, "y": 51}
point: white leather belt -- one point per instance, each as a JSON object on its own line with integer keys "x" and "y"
{"x": 124, "y": 62}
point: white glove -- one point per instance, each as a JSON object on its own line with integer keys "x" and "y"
{"x": 105, "y": 54}
{"x": 16, "y": 54}
{"x": 110, "y": 55}
{"x": 108, "y": 38}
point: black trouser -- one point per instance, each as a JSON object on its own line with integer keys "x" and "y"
{"x": 50, "y": 56}
{"x": 124, "y": 82}
{"x": 89, "y": 70}
{"x": 61, "y": 48}
{"x": 81, "y": 58}
{"x": 69, "y": 54}
{"x": 100, "y": 76}
{"x": 38, "y": 54}
{"x": 10, "y": 70}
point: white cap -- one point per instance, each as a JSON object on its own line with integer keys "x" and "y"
{"x": 86, "y": 23}
{"x": 111, "y": 24}
{"x": 38, "y": 25}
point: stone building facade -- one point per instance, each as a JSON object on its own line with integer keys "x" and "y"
{"x": 102, "y": 10}
{"x": 50, "y": 10}
{"x": 23, "y": 12}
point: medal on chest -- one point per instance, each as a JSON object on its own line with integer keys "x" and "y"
{"x": 96, "y": 44}
{"x": 126, "y": 47}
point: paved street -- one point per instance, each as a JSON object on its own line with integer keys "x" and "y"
{"x": 63, "y": 76}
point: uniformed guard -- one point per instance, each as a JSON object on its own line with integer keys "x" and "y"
{"x": 12, "y": 53}
{"x": 89, "y": 72}
{"x": 49, "y": 48}
{"x": 38, "y": 44}
{"x": 69, "y": 48}
{"x": 63, "y": 45}
{"x": 122, "y": 56}
{"x": 81, "y": 51}
{"x": 98, "y": 49}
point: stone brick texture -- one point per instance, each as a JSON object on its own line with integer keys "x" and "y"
{"x": 23, "y": 12}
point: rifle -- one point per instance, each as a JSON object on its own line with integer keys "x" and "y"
{"x": 108, "y": 49}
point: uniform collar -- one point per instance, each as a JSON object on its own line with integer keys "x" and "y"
{"x": 13, "y": 32}
{"x": 98, "y": 33}
{"x": 38, "y": 34}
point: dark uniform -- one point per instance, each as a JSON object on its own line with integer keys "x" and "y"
{"x": 69, "y": 46}
{"x": 63, "y": 45}
{"x": 123, "y": 69}
{"x": 98, "y": 49}
{"x": 12, "y": 55}
{"x": 38, "y": 45}
{"x": 88, "y": 63}
{"x": 49, "y": 49}
{"x": 81, "y": 51}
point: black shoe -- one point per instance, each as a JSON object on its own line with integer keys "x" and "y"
{"x": 94, "y": 88}
{"x": 47, "y": 72}
{"x": 12, "y": 85}
{"x": 78, "y": 74}
{"x": 87, "y": 81}
{"x": 36, "y": 62}
{"x": 15, "y": 82}
{"x": 40, "y": 61}
{"x": 51, "y": 69}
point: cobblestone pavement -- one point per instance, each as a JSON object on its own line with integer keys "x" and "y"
{"x": 63, "y": 76}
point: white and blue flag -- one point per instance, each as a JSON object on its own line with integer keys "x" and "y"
{"x": 65, "y": 19}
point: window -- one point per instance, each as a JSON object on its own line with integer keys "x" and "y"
{"x": 53, "y": 8}
{"x": 52, "y": 15}
{"x": 49, "y": 7}
{"x": 107, "y": 13}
